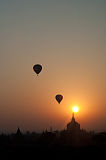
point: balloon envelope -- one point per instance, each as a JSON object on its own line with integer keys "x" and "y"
{"x": 59, "y": 98}
{"x": 37, "y": 68}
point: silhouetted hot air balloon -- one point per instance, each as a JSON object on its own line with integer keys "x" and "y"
{"x": 37, "y": 68}
{"x": 59, "y": 98}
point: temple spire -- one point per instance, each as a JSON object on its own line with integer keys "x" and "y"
{"x": 73, "y": 115}
{"x": 73, "y": 118}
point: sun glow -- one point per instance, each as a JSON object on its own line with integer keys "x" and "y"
{"x": 75, "y": 109}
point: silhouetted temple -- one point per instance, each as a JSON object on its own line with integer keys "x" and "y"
{"x": 73, "y": 126}
{"x": 73, "y": 135}
{"x": 18, "y": 133}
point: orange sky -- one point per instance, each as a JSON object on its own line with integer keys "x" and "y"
{"x": 68, "y": 40}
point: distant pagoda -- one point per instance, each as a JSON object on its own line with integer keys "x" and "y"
{"x": 73, "y": 126}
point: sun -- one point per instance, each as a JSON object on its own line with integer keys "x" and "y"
{"x": 75, "y": 109}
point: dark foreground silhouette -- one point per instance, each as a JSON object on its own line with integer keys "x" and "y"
{"x": 70, "y": 143}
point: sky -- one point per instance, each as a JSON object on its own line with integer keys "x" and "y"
{"x": 68, "y": 38}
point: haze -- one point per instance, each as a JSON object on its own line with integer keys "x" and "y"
{"x": 68, "y": 38}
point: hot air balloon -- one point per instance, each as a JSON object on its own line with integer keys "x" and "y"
{"x": 59, "y": 98}
{"x": 37, "y": 68}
